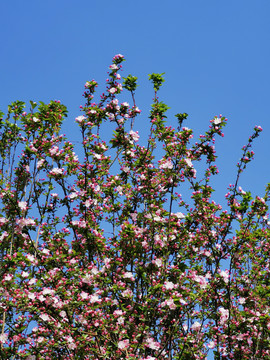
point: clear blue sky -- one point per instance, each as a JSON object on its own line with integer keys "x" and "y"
{"x": 215, "y": 55}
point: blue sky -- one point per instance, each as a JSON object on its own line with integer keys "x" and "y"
{"x": 215, "y": 55}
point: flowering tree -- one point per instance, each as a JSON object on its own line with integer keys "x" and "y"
{"x": 102, "y": 258}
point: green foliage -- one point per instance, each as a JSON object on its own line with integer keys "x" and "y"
{"x": 157, "y": 80}
{"x": 158, "y": 110}
{"x": 130, "y": 83}
{"x": 181, "y": 118}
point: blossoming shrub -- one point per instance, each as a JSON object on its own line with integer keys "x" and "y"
{"x": 103, "y": 258}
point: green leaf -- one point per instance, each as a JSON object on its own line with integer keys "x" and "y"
{"x": 130, "y": 83}
{"x": 157, "y": 80}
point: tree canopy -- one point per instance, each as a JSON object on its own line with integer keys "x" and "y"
{"x": 102, "y": 254}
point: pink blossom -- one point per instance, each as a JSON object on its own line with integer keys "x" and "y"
{"x": 127, "y": 293}
{"x": 3, "y": 221}
{"x": 126, "y": 169}
{"x": 128, "y": 275}
{"x": 47, "y": 291}
{"x": 179, "y": 215}
{"x": 119, "y": 312}
{"x": 112, "y": 90}
{"x": 224, "y": 315}
{"x": 25, "y": 222}
{"x": 79, "y": 223}
{"x": 31, "y": 296}
{"x": 211, "y": 345}
{"x": 84, "y": 296}
{"x": 73, "y": 195}
{"x": 225, "y": 275}
{"x": 41, "y": 298}
{"x": 94, "y": 298}
{"x": 40, "y": 163}
{"x": 240, "y": 337}
{"x": 30, "y": 257}
{"x": 8, "y": 277}
{"x": 97, "y": 156}
{"x": 22, "y": 205}
{"x": 135, "y": 135}
{"x": 3, "y": 338}
{"x": 152, "y": 344}
{"x": 189, "y": 162}
{"x": 159, "y": 241}
{"x": 32, "y": 281}
{"x": 4, "y": 235}
{"x": 53, "y": 150}
{"x": 241, "y": 190}
{"x": 157, "y": 262}
{"x": 196, "y": 326}
{"x": 168, "y": 285}
{"x": 56, "y": 171}
{"x": 261, "y": 199}
{"x": 44, "y": 317}
{"x": 69, "y": 339}
{"x": 120, "y": 320}
{"x": 217, "y": 120}
{"x": 171, "y": 304}
{"x": 123, "y": 344}
{"x": 113, "y": 67}
{"x": 158, "y": 218}
{"x": 40, "y": 339}
{"x": 72, "y": 346}
{"x": 201, "y": 280}
{"x": 167, "y": 164}
{"x": 133, "y": 216}
{"x": 80, "y": 118}
{"x": 45, "y": 251}
{"x": 118, "y": 56}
